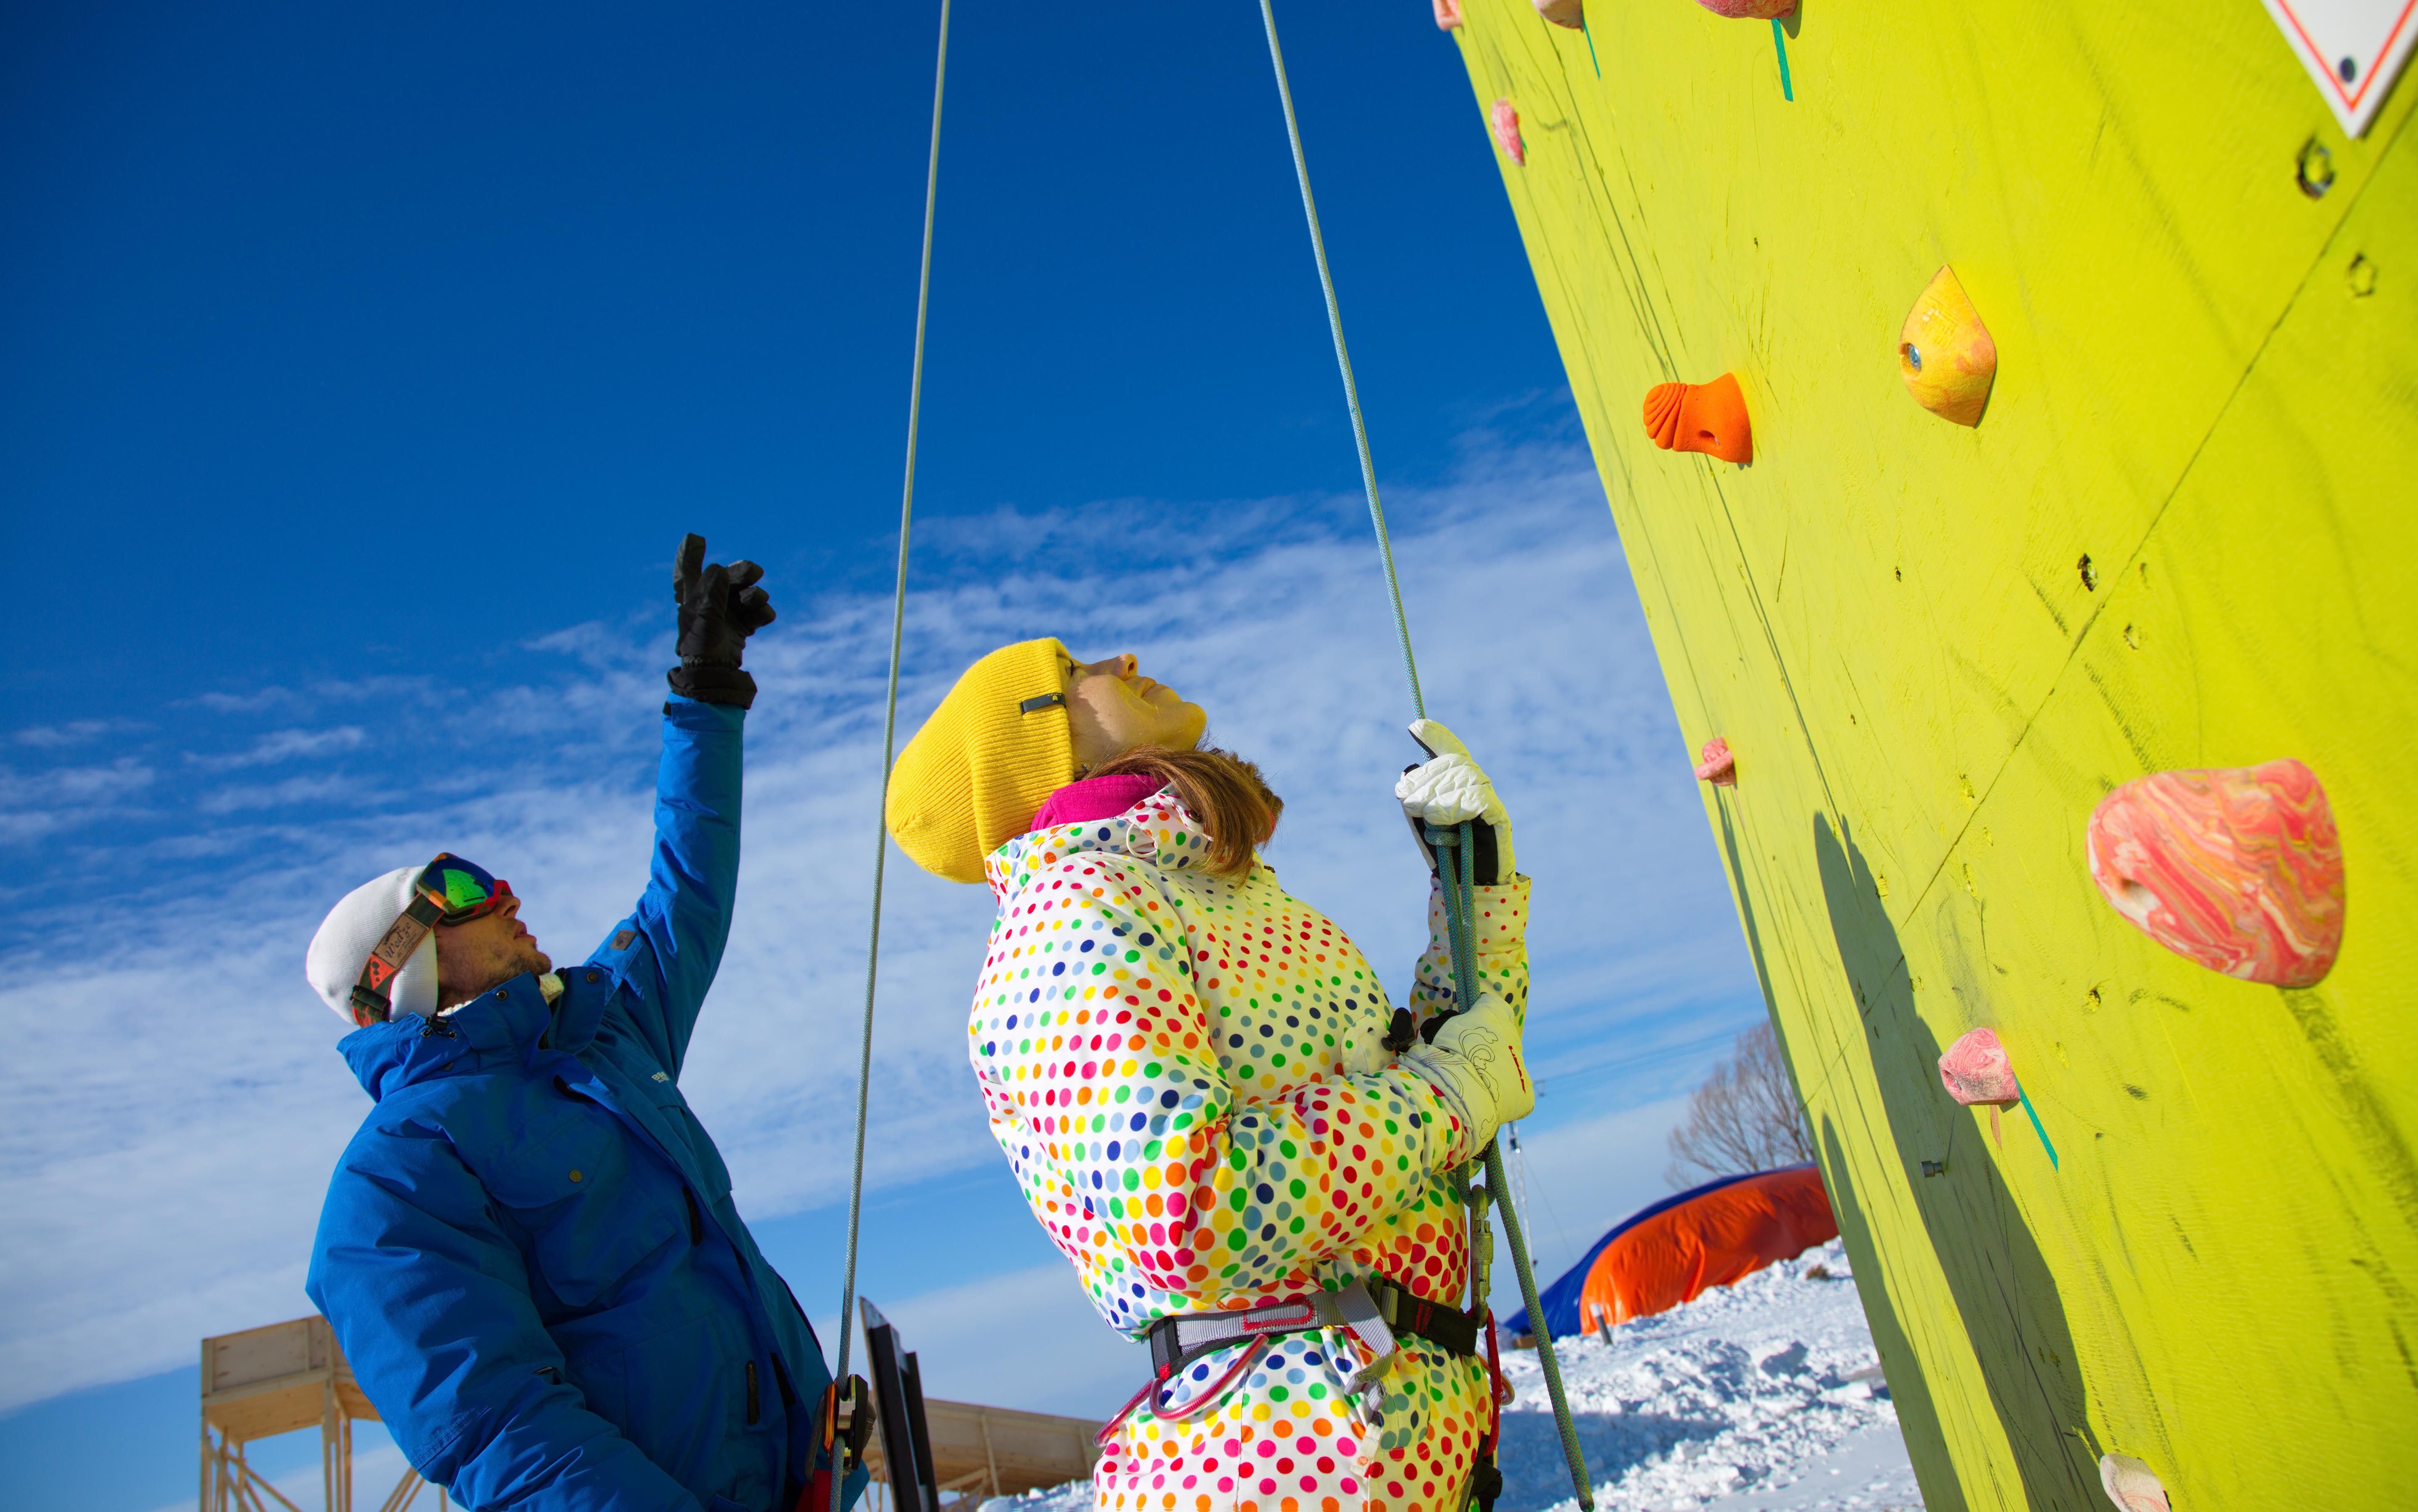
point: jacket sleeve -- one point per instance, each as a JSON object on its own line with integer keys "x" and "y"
{"x": 1098, "y": 1062}
{"x": 431, "y": 1304}
{"x": 664, "y": 954}
{"x": 1501, "y": 935}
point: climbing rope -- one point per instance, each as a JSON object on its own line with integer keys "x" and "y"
{"x": 1343, "y": 360}
{"x": 1447, "y": 842}
{"x": 890, "y": 731}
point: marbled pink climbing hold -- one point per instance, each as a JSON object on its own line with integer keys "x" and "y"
{"x": 1447, "y": 14}
{"x": 2132, "y": 1485}
{"x": 2238, "y": 868}
{"x": 1976, "y": 1069}
{"x": 1749, "y": 9}
{"x": 1715, "y": 765}
{"x": 1570, "y": 13}
{"x": 1507, "y": 132}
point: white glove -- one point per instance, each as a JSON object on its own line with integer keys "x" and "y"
{"x": 1475, "y": 1066}
{"x": 1452, "y": 787}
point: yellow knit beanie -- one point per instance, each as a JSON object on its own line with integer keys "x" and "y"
{"x": 982, "y": 765}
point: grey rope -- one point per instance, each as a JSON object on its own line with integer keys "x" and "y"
{"x": 1455, "y": 869}
{"x": 889, "y": 737}
{"x": 1460, "y": 910}
{"x": 1343, "y": 358}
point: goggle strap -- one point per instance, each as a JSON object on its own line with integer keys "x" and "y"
{"x": 370, "y": 1004}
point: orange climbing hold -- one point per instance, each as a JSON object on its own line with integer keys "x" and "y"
{"x": 1701, "y": 416}
{"x": 1506, "y": 120}
{"x": 1570, "y": 13}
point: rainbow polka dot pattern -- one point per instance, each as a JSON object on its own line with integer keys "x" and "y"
{"x": 1189, "y": 1078}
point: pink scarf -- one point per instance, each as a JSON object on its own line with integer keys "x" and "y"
{"x": 1094, "y": 798}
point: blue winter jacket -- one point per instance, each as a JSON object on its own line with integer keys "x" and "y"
{"x": 529, "y": 1251}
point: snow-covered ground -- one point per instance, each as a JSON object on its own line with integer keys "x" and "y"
{"x": 1763, "y": 1397}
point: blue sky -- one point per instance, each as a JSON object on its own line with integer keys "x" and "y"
{"x": 359, "y": 372}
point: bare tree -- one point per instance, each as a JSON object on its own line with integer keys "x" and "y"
{"x": 1744, "y": 1117}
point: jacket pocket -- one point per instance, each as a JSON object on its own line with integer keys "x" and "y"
{"x": 588, "y": 1213}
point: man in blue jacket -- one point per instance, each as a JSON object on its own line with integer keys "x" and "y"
{"x": 530, "y": 1252}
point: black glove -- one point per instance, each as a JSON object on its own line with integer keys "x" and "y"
{"x": 719, "y": 608}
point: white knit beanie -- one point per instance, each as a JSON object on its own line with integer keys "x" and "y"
{"x": 353, "y": 928}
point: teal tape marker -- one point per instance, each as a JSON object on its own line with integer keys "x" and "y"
{"x": 1780, "y": 41}
{"x": 1589, "y": 32}
{"x": 2035, "y": 1118}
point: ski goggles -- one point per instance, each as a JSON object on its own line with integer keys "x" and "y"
{"x": 462, "y": 890}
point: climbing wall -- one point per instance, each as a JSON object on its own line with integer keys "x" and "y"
{"x": 2184, "y": 534}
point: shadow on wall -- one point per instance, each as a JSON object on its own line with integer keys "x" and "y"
{"x": 2005, "y": 1297}
{"x": 1917, "y": 1415}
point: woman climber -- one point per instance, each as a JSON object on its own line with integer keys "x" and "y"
{"x": 1246, "y": 1151}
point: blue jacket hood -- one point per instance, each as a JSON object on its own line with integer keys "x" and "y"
{"x": 515, "y": 1017}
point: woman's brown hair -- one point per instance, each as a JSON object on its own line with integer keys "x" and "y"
{"x": 1222, "y": 790}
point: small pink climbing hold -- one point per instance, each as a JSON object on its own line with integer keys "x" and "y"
{"x": 1570, "y": 13}
{"x": 1447, "y": 14}
{"x": 1715, "y": 765}
{"x": 1976, "y": 1069}
{"x": 1507, "y": 132}
{"x": 2132, "y": 1485}
{"x": 1749, "y": 9}
{"x": 2238, "y": 868}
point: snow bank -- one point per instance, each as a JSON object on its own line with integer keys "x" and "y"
{"x": 1757, "y": 1398}
{"x": 1752, "y": 1389}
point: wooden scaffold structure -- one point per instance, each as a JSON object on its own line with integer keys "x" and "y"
{"x": 283, "y": 1379}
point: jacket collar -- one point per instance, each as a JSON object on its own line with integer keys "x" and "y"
{"x": 1158, "y": 830}
{"x": 513, "y": 1019}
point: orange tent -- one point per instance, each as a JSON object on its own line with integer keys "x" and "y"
{"x": 1712, "y": 1239}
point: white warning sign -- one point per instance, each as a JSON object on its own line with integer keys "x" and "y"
{"x": 2351, "y": 48}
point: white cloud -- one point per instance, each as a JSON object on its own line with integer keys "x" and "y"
{"x": 1029, "y": 1338}
{"x": 35, "y": 804}
{"x": 286, "y": 746}
{"x": 171, "y": 1109}
{"x": 377, "y": 1468}
{"x": 75, "y": 732}
{"x": 235, "y": 798}
{"x": 1576, "y": 1181}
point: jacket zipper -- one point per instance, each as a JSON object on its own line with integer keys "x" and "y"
{"x": 696, "y": 1219}
{"x": 755, "y": 1400}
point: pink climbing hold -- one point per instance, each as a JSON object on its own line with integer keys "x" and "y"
{"x": 1749, "y": 9}
{"x": 1976, "y": 1069}
{"x": 1507, "y": 132}
{"x": 1447, "y": 14}
{"x": 2237, "y": 869}
{"x": 1715, "y": 765}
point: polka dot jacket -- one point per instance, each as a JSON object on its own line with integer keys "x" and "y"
{"x": 1189, "y": 1077}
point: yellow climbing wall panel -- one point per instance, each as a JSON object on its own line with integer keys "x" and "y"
{"x": 2208, "y": 386}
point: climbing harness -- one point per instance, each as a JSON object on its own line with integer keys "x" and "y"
{"x": 890, "y": 723}
{"x": 1373, "y": 1310}
{"x": 1447, "y": 843}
